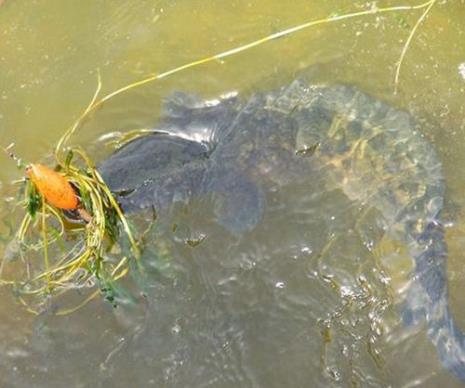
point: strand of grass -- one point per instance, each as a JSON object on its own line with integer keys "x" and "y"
{"x": 23, "y": 228}
{"x": 121, "y": 266}
{"x": 64, "y": 288}
{"x": 28, "y": 307}
{"x": 79, "y": 306}
{"x": 63, "y": 265}
{"x": 92, "y": 240}
{"x": 120, "y": 214}
{"x": 5, "y": 282}
{"x": 44, "y": 239}
{"x": 94, "y": 237}
{"x": 96, "y": 177}
{"x": 67, "y": 281}
{"x": 225, "y": 54}
{"x": 64, "y": 139}
{"x": 76, "y": 251}
{"x": 59, "y": 286}
{"x": 92, "y": 296}
{"x": 122, "y": 138}
{"x": 57, "y": 216}
{"x": 26, "y": 225}
{"x": 66, "y": 268}
{"x": 259, "y": 42}
{"x": 407, "y": 44}
{"x": 27, "y": 264}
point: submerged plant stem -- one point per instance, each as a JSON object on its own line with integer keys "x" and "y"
{"x": 428, "y": 5}
{"x": 45, "y": 243}
{"x": 289, "y": 31}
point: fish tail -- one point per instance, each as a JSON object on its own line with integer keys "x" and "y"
{"x": 448, "y": 339}
{"x": 430, "y": 252}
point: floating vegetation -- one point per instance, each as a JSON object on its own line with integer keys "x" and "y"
{"x": 72, "y": 219}
{"x": 71, "y": 201}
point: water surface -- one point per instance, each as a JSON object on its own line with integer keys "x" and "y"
{"x": 258, "y": 310}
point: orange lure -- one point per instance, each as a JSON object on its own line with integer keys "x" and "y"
{"x": 53, "y": 186}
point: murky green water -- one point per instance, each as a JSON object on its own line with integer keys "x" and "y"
{"x": 257, "y": 310}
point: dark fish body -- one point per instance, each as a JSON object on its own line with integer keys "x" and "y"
{"x": 235, "y": 149}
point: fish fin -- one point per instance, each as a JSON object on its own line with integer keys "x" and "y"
{"x": 237, "y": 201}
